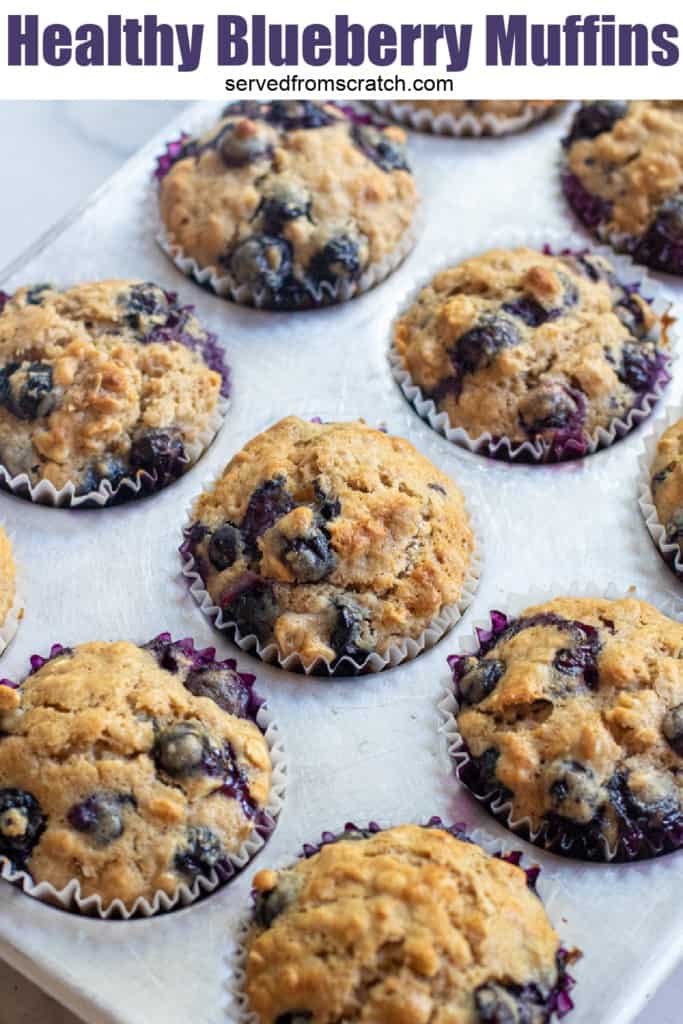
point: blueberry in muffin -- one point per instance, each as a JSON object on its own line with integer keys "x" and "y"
{"x": 379, "y": 926}
{"x": 623, "y": 177}
{"x": 292, "y": 201}
{"x": 571, "y": 718}
{"x": 104, "y": 382}
{"x": 133, "y": 770}
{"x": 537, "y": 349}
{"x": 330, "y": 541}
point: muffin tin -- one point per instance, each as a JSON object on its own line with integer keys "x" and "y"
{"x": 359, "y": 749}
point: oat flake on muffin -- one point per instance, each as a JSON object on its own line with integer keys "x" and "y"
{"x": 104, "y": 381}
{"x": 291, "y": 200}
{"x": 133, "y": 770}
{"x": 533, "y": 347}
{"x": 331, "y": 540}
{"x": 410, "y": 924}
{"x": 623, "y": 176}
{"x": 573, "y": 714}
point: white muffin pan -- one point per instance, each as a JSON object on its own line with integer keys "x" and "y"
{"x": 363, "y": 748}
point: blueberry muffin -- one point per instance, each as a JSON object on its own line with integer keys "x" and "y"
{"x": 331, "y": 541}
{"x": 411, "y": 924}
{"x": 533, "y": 348}
{"x": 8, "y": 583}
{"x": 666, "y": 484}
{"x": 623, "y": 176}
{"x": 572, "y": 717}
{"x": 291, "y": 201}
{"x": 104, "y": 382}
{"x": 484, "y": 117}
{"x": 132, "y": 769}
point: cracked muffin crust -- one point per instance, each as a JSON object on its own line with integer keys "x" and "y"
{"x": 573, "y": 715}
{"x": 533, "y": 347}
{"x": 623, "y": 176}
{"x": 292, "y": 200}
{"x": 8, "y": 579}
{"x": 409, "y": 924}
{"x": 331, "y": 540}
{"x": 131, "y": 769}
{"x": 492, "y": 115}
{"x": 105, "y": 381}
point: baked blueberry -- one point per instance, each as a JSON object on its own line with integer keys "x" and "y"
{"x": 346, "y": 632}
{"x": 262, "y": 262}
{"x": 22, "y": 823}
{"x": 267, "y": 504}
{"x": 527, "y": 309}
{"x": 476, "y": 348}
{"x": 294, "y": 114}
{"x": 100, "y": 815}
{"x": 338, "y": 260}
{"x": 223, "y": 686}
{"x": 639, "y": 367}
{"x": 386, "y": 152}
{"x": 242, "y": 142}
{"x": 180, "y": 749}
{"x": 548, "y": 407}
{"x": 159, "y": 453}
{"x": 294, "y": 1017}
{"x": 26, "y": 389}
{"x": 672, "y": 727}
{"x": 310, "y": 557}
{"x": 225, "y": 546}
{"x": 111, "y": 469}
{"x": 281, "y": 204}
{"x": 327, "y": 507}
{"x": 592, "y": 119}
{"x": 270, "y": 903}
{"x": 36, "y": 294}
{"x": 479, "y": 679}
{"x": 201, "y": 853}
{"x": 254, "y": 611}
{"x": 574, "y": 791}
{"x": 145, "y": 300}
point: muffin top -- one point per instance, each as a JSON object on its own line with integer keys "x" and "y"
{"x": 331, "y": 540}
{"x": 667, "y": 483}
{"x": 409, "y": 925}
{"x": 104, "y": 381}
{"x": 498, "y": 108}
{"x": 630, "y": 155}
{"x": 574, "y": 712}
{"x": 530, "y": 346}
{"x": 8, "y": 577}
{"x": 131, "y": 769}
{"x": 290, "y": 199}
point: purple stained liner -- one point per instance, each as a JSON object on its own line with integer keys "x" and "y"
{"x": 239, "y": 699}
{"x": 559, "y": 1001}
{"x": 557, "y": 835}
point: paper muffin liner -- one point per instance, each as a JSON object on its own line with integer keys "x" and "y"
{"x": 45, "y": 493}
{"x": 559, "y": 1000}
{"x": 222, "y": 283}
{"x": 632, "y": 846}
{"x": 670, "y": 552}
{"x": 397, "y": 653}
{"x": 70, "y": 898}
{"x": 572, "y": 443}
{"x": 468, "y": 124}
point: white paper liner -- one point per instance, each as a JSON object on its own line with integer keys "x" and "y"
{"x": 45, "y": 493}
{"x": 70, "y": 898}
{"x": 535, "y": 238}
{"x": 222, "y": 283}
{"x": 238, "y": 1006}
{"x": 346, "y": 665}
{"x": 671, "y": 553}
{"x": 501, "y": 808}
{"x": 468, "y": 124}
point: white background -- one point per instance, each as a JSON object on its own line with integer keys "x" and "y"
{"x": 59, "y": 153}
{"x": 207, "y": 82}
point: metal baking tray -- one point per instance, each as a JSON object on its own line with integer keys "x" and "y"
{"x": 359, "y": 749}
